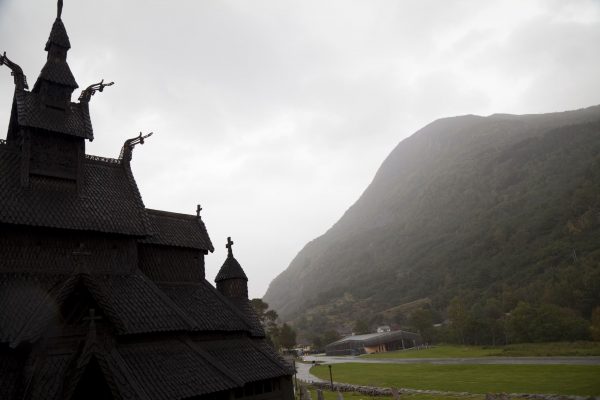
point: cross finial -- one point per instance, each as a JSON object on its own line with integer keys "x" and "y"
{"x": 92, "y": 318}
{"x": 59, "y": 7}
{"x": 198, "y": 209}
{"x": 229, "y": 245}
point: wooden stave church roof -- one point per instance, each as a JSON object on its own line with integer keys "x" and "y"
{"x": 144, "y": 318}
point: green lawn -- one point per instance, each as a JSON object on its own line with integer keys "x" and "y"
{"x": 559, "y": 379}
{"x": 416, "y": 396}
{"x": 440, "y": 352}
{"x": 513, "y": 350}
{"x": 551, "y": 349}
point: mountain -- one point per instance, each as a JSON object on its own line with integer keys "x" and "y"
{"x": 504, "y": 205}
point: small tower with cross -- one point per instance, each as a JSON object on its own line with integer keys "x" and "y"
{"x": 231, "y": 280}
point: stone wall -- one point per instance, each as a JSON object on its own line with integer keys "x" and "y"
{"x": 377, "y": 391}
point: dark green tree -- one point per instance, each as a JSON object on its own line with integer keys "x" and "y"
{"x": 317, "y": 342}
{"x": 259, "y": 306}
{"x": 286, "y": 337}
{"x": 545, "y": 323}
{"x": 595, "y": 326}
{"x": 360, "y": 327}
{"x": 267, "y": 318}
{"x": 261, "y": 309}
{"x": 493, "y": 318}
{"x": 421, "y": 320}
{"x": 330, "y": 336}
{"x": 320, "y": 341}
{"x": 399, "y": 318}
{"x": 459, "y": 318}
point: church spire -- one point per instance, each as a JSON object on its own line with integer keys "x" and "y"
{"x": 58, "y": 34}
{"x": 56, "y": 81}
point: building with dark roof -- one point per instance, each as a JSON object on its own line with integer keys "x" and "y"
{"x": 101, "y": 298}
{"x": 373, "y": 343}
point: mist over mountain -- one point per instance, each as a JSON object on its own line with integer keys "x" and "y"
{"x": 504, "y": 205}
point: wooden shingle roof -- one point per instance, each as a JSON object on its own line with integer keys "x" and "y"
{"x": 132, "y": 304}
{"x": 178, "y": 230}
{"x": 21, "y": 296}
{"x": 172, "y": 369}
{"x": 242, "y": 355}
{"x": 45, "y": 385}
{"x": 245, "y": 308}
{"x": 31, "y": 113}
{"x": 108, "y": 201}
{"x": 58, "y": 35}
{"x": 206, "y": 306}
{"x": 156, "y": 369}
{"x": 56, "y": 69}
{"x": 57, "y": 72}
{"x": 231, "y": 269}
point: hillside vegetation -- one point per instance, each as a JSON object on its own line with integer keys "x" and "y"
{"x": 467, "y": 220}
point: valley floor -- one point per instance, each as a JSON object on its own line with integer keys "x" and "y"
{"x": 492, "y": 378}
{"x": 475, "y": 370}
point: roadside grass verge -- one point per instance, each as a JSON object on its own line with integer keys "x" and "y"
{"x": 555, "y": 349}
{"x": 329, "y": 395}
{"x": 558, "y": 379}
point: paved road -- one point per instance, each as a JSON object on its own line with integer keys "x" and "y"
{"x": 302, "y": 373}
{"x": 476, "y": 360}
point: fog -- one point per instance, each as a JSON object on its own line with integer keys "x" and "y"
{"x": 275, "y": 115}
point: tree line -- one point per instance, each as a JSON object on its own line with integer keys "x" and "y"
{"x": 281, "y": 336}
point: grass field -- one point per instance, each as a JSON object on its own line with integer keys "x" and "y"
{"x": 559, "y": 379}
{"x": 440, "y": 352}
{"x": 513, "y": 350}
{"x": 551, "y": 349}
{"x": 417, "y": 396}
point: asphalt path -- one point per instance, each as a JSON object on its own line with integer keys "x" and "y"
{"x": 303, "y": 370}
{"x": 303, "y": 373}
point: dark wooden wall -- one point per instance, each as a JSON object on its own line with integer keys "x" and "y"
{"x": 59, "y": 251}
{"x": 171, "y": 264}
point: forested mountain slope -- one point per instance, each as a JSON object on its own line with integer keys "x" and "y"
{"x": 504, "y": 207}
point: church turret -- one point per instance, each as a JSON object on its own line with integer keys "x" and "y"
{"x": 56, "y": 82}
{"x": 231, "y": 280}
{"x": 45, "y": 125}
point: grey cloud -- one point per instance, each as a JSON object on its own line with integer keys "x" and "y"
{"x": 275, "y": 115}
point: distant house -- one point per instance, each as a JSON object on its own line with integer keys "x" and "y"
{"x": 383, "y": 328}
{"x": 373, "y": 343}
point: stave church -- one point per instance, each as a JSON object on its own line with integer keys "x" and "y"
{"x": 100, "y": 297}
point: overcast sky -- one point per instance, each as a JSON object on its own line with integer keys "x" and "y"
{"x": 275, "y": 115}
